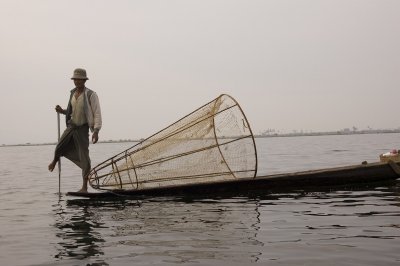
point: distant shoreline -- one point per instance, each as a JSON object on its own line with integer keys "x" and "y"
{"x": 329, "y": 133}
{"x": 275, "y": 135}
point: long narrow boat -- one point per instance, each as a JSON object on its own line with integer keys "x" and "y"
{"x": 211, "y": 151}
{"x": 330, "y": 177}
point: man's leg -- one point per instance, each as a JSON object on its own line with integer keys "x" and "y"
{"x": 61, "y": 147}
{"x": 82, "y": 144}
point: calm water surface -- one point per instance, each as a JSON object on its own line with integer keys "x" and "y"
{"x": 358, "y": 226}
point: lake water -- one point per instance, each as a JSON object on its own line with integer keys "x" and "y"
{"x": 319, "y": 227}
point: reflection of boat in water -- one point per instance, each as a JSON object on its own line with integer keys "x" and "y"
{"x": 339, "y": 176}
{"x": 283, "y": 228}
{"x": 161, "y": 231}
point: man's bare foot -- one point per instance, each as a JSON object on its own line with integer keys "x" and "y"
{"x": 52, "y": 165}
{"x": 82, "y": 190}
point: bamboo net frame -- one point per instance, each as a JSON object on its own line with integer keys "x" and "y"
{"x": 214, "y": 143}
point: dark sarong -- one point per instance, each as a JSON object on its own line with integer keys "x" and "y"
{"x": 74, "y": 145}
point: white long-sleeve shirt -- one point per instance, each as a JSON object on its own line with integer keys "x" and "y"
{"x": 91, "y": 109}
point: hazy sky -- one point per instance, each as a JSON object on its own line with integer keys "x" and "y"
{"x": 301, "y": 64}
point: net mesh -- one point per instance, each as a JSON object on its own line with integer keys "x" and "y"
{"x": 212, "y": 144}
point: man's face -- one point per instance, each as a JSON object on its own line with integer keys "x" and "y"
{"x": 79, "y": 83}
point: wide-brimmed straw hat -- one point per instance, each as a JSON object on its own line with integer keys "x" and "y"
{"x": 79, "y": 73}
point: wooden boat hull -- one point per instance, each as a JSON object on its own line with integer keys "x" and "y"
{"x": 338, "y": 176}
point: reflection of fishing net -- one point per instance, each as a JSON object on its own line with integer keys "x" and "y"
{"x": 212, "y": 144}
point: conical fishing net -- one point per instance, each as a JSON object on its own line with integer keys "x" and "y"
{"x": 212, "y": 144}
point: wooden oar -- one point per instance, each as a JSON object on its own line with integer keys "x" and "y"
{"x": 59, "y": 160}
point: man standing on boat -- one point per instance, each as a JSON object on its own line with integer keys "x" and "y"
{"x": 83, "y": 113}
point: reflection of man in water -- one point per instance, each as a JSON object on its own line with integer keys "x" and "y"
{"x": 78, "y": 233}
{"x": 83, "y": 112}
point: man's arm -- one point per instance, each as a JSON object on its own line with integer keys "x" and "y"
{"x": 95, "y": 105}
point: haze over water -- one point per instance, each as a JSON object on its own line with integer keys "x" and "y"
{"x": 307, "y": 65}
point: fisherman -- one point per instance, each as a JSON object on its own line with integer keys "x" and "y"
{"x": 83, "y": 113}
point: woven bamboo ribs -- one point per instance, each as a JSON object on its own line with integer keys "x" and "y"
{"x": 214, "y": 143}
